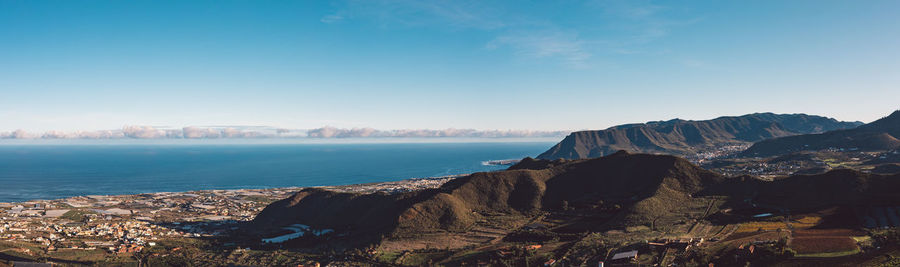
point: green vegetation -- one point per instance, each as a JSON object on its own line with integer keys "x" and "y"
{"x": 76, "y": 215}
{"x": 420, "y": 259}
{"x": 829, "y": 254}
{"x": 636, "y": 229}
{"x": 387, "y": 257}
{"x": 79, "y": 255}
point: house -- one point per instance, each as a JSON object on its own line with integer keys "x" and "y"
{"x": 628, "y": 255}
{"x": 745, "y": 252}
{"x": 282, "y": 238}
{"x": 299, "y": 230}
{"x": 535, "y": 226}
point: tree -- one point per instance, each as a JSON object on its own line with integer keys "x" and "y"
{"x": 141, "y": 256}
{"x": 789, "y": 253}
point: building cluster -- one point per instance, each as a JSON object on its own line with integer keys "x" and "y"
{"x": 719, "y": 152}
{"x": 129, "y": 223}
{"x": 808, "y": 162}
{"x": 769, "y": 169}
{"x": 408, "y": 185}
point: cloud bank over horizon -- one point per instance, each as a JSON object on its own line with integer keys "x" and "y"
{"x": 249, "y": 132}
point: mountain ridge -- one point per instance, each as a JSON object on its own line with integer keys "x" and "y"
{"x": 518, "y": 192}
{"x": 882, "y": 134}
{"x": 638, "y": 189}
{"x": 683, "y": 137}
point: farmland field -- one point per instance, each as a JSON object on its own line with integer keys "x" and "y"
{"x": 828, "y": 232}
{"x": 806, "y": 222}
{"x": 822, "y": 244}
{"x": 757, "y": 226}
{"x": 825, "y": 242}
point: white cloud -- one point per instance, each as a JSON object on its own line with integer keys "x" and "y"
{"x": 640, "y": 22}
{"x": 17, "y": 134}
{"x": 459, "y": 14}
{"x": 56, "y": 135}
{"x": 627, "y": 27}
{"x": 143, "y": 132}
{"x": 331, "y": 132}
{"x": 237, "y": 132}
{"x": 196, "y": 133}
{"x": 566, "y": 47}
{"x": 332, "y": 18}
{"x": 22, "y": 134}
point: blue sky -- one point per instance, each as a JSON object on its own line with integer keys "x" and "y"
{"x": 541, "y": 65}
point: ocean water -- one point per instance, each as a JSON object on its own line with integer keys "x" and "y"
{"x": 30, "y": 172}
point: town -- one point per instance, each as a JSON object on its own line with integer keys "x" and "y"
{"x": 127, "y": 223}
{"x": 84, "y": 229}
{"x": 120, "y": 230}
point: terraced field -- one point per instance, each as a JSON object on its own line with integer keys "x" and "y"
{"x": 806, "y": 222}
{"x": 760, "y": 226}
{"x": 824, "y": 246}
{"x": 825, "y": 242}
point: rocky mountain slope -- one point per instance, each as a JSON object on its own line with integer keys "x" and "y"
{"x": 648, "y": 186}
{"x": 644, "y": 189}
{"x": 841, "y": 187}
{"x": 882, "y": 134}
{"x": 681, "y": 137}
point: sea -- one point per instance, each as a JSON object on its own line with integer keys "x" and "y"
{"x": 60, "y": 170}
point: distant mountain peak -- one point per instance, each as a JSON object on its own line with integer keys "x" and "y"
{"x": 891, "y": 120}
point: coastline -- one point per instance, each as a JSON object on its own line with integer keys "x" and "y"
{"x": 131, "y": 223}
{"x": 52, "y": 172}
{"x": 390, "y": 187}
